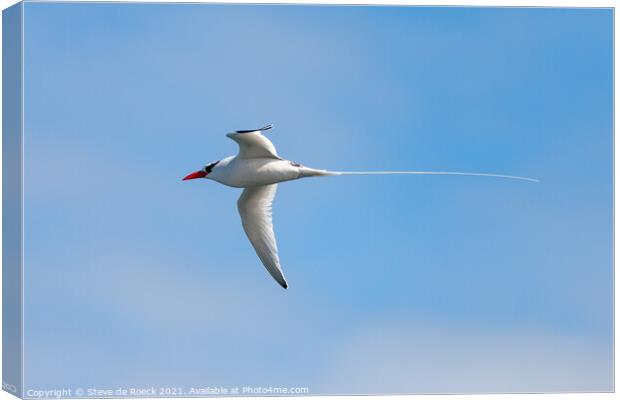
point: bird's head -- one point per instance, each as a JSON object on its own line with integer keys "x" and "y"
{"x": 203, "y": 173}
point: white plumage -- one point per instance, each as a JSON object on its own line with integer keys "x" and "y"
{"x": 255, "y": 209}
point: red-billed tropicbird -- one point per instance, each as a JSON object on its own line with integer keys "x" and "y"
{"x": 258, "y": 169}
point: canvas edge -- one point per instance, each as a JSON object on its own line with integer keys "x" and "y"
{"x": 12, "y": 208}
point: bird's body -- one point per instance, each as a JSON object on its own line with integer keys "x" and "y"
{"x": 257, "y": 168}
{"x": 246, "y": 172}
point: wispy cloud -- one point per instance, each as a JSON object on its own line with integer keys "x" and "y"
{"x": 392, "y": 356}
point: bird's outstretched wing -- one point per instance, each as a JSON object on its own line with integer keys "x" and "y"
{"x": 252, "y": 144}
{"x": 255, "y": 209}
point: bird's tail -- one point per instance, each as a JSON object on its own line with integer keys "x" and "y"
{"x": 316, "y": 172}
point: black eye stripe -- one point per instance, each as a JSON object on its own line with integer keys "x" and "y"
{"x": 209, "y": 167}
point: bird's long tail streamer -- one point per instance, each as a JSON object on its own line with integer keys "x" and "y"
{"x": 521, "y": 178}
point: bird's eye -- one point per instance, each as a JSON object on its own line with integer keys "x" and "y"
{"x": 209, "y": 167}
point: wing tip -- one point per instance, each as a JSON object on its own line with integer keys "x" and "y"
{"x": 264, "y": 128}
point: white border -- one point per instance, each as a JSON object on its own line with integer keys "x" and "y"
{"x": 479, "y": 3}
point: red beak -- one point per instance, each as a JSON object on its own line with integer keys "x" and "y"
{"x": 194, "y": 175}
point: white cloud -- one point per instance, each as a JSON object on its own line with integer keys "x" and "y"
{"x": 428, "y": 357}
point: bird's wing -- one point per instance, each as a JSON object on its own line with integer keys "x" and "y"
{"x": 255, "y": 210}
{"x": 252, "y": 144}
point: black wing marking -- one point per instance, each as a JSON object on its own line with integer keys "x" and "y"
{"x": 264, "y": 128}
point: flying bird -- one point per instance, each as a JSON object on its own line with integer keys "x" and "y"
{"x": 258, "y": 169}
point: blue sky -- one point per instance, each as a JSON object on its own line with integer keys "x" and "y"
{"x": 401, "y": 284}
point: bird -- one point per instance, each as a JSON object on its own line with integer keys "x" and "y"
{"x": 258, "y": 169}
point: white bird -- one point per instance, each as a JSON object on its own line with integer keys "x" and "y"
{"x": 258, "y": 169}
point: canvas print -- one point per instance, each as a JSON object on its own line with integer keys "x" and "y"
{"x": 295, "y": 200}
